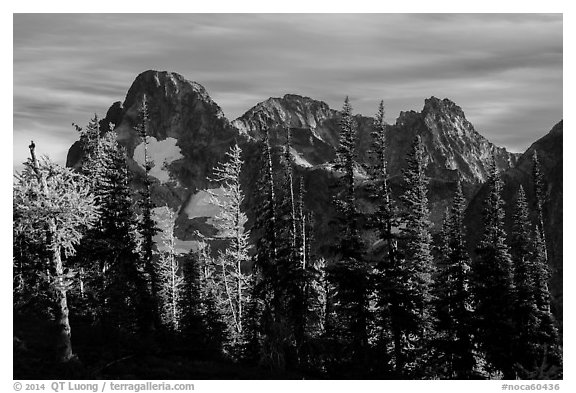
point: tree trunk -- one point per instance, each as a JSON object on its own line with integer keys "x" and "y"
{"x": 64, "y": 336}
{"x": 174, "y": 290}
{"x": 239, "y": 301}
{"x": 63, "y": 340}
{"x": 81, "y": 279}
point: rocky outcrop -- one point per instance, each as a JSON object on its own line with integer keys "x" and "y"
{"x": 454, "y": 147}
{"x": 181, "y": 110}
{"x": 292, "y": 111}
{"x": 189, "y": 135}
{"x": 455, "y": 150}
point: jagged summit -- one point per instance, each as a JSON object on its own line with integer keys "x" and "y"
{"x": 170, "y": 81}
{"x": 187, "y": 125}
{"x": 291, "y": 110}
{"x": 451, "y": 140}
{"x": 183, "y": 110}
{"x": 434, "y": 108}
{"x": 190, "y": 134}
{"x": 434, "y": 104}
{"x": 168, "y": 85}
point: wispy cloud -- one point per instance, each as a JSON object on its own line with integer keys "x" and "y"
{"x": 505, "y": 70}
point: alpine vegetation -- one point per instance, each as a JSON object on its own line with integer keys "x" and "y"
{"x": 295, "y": 242}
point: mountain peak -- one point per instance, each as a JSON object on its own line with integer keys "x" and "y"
{"x": 183, "y": 119}
{"x": 438, "y": 114}
{"x": 453, "y": 143}
{"x": 296, "y": 97}
{"x": 291, "y": 110}
{"x": 170, "y": 85}
{"x": 436, "y": 105}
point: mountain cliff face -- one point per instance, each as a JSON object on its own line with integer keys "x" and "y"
{"x": 549, "y": 149}
{"x": 184, "y": 111}
{"x": 453, "y": 145}
{"x": 189, "y": 135}
{"x": 184, "y": 117}
{"x": 450, "y": 139}
{"x": 292, "y": 111}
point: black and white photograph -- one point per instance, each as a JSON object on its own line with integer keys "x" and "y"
{"x": 287, "y": 196}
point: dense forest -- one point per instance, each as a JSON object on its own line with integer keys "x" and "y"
{"x": 101, "y": 291}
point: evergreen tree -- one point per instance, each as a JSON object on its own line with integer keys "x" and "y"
{"x": 89, "y": 143}
{"x": 290, "y": 199}
{"x": 126, "y": 297}
{"x": 147, "y": 227}
{"x": 345, "y": 162}
{"x": 290, "y": 259}
{"x": 384, "y": 218}
{"x": 230, "y": 223}
{"x": 109, "y": 258}
{"x": 548, "y": 350}
{"x": 537, "y": 335}
{"x": 190, "y": 300}
{"x": 492, "y": 284}
{"x": 315, "y": 301}
{"x": 54, "y": 206}
{"x": 418, "y": 264}
{"x": 254, "y": 327}
{"x": 548, "y": 344}
{"x": 90, "y": 256}
{"x": 302, "y": 228}
{"x": 525, "y": 311}
{"x": 266, "y": 217}
{"x": 30, "y": 273}
{"x": 350, "y": 272}
{"x": 306, "y": 272}
{"x": 93, "y": 251}
{"x": 201, "y": 322}
{"x": 265, "y": 309}
{"x": 539, "y": 191}
{"x": 387, "y": 272}
{"x": 169, "y": 279}
{"x": 453, "y": 301}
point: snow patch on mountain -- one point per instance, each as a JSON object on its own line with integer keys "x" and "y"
{"x": 161, "y": 153}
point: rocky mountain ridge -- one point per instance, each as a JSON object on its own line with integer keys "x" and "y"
{"x": 183, "y": 110}
{"x": 189, "y": 135}
{"x": 451, "y": 141}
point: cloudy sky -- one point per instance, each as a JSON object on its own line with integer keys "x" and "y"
{"x": 505, "y": 70}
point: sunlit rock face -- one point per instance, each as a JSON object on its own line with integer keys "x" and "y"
{"x": 454, "y": 148}
{"x": 189, "y": 135}
{"x": 182, "y": 110}
{"x": 453, "y": 145}
{"x": 451, "y": 141}
{"x": 292, "y": 111}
